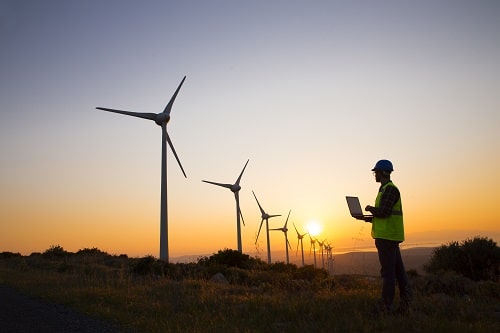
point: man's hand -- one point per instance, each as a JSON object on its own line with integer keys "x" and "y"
{"x": 369, "y": 209}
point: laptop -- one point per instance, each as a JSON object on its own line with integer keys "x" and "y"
{"x": 355, "y": 207}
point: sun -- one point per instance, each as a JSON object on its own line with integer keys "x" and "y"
{"x": 314, "y": 227}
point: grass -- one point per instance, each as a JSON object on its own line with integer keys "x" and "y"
{"x": 145, "y": 295}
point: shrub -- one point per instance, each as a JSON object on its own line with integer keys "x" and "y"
{"x": 148, "y": 265}
{"x": 477, "y": 259}
{"x": 448, "y": 283}
{"x": 310, "y": 273}
{"x": 91, "y": 252}
{"x": 55, "y": 251}
{"x": 7, "y": 255}
{"x": 482, "y": 258}
{"x": 230, "y": 258}
{"x": 281, "y": 267}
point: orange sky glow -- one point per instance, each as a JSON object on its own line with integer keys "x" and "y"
{"x": 313, "y": 96}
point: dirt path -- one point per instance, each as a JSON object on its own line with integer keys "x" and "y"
{"x": 22, "y": 314}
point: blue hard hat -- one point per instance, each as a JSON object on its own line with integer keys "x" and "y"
{"x": 383, "y": 165}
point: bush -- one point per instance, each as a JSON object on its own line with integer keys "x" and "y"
{"x": 55, "y": 251}
{"x": 7, "y": 255}
{"x": 447, "y": 283}
{"x": 229, "y": 258}
{"x": 91, "y": 252}
{"x": 149, "y": 265}
{"x": 310, "y": 273}
{"x": 477, "y": 259}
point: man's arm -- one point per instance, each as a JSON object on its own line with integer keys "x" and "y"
{"x": 364, "y": 218}
{"x": 387, "y": 202}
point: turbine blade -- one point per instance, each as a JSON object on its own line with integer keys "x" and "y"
{"x": 256, "y": 239}
{"x": 242, "y": 220}
{"x": 260, "y": 207}
{"x": 168, "y": 108}
{"x": 237, "y": 197}
{"x": 274, "y": 215}
{"x": 298, "y": 235}
{"x": 149, "y": 116}
{"x": 289, "y": 246}
{"x": 218, "y": 184}
{"x": 287, "y": 218}
{"x": 173, "y": 149}
{"x": 241, "y": 174}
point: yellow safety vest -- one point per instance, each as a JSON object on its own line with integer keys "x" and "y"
{"x": 391, "y": 227}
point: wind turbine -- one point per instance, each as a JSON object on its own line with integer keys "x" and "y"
{"x": 313, "y": 246}
{"x": 161, "y": 119}
{"x": 322, "y": 253}
{"x": 235, "y": 188}
{"x": 299, "y": 239}
{"x": 265, "y": 217}
{"x": 284, "y": 229}
{"x": 329, "y": 258}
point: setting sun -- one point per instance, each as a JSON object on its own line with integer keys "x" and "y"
{"x": 314, "y": 228}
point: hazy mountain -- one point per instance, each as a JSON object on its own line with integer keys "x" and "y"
{"x": 365, "y": 263}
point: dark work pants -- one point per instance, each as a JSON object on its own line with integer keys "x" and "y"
{"x": 392, "y": 270}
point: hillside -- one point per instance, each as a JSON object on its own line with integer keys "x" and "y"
{"x": 364, "y": 263}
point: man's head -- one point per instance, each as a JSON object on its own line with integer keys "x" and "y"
{"x": 382, "y": 170}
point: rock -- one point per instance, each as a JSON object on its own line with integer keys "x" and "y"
{"x": 219, "y": 278}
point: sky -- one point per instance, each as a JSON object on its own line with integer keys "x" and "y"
{"x": 312, "y": 93}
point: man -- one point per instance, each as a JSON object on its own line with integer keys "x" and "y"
{"x": 388, "y": 232}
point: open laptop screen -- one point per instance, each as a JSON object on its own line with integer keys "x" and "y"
{"x": 354, "y": 206}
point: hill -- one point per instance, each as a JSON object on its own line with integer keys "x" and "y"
{"x": 366, "y": 263}
{"x": 363, "y": 263}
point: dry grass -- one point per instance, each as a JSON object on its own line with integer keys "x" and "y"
{"x": 263, "y": 300}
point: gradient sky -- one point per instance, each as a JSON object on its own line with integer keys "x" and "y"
{"x": 312, "y": 92}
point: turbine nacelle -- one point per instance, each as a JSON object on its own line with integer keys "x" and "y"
{"x": 265, "y": 216}
{"x": 235, "y": 188}
{"x": 299, "y": 236}
{"x": 162, "y": 118}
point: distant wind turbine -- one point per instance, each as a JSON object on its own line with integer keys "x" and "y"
{"x": 322, "y": 253}
{"x": 284, "y": 229}
{"x": 329, "y": 258}
{"x": 235, "y": 188}
{"x": 161, "y": 119}
{"x": 313, "y": 246}
{"x": 300, "y": 237}
{"x": 265, "y": 217}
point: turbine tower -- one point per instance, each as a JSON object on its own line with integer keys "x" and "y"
{"x": 265, "y": 217}
{"x": 299, "y": 240}
{"x": 235, "y": 188}
{"x": 161, "y": 119}
{"x": 284, "y": 229}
